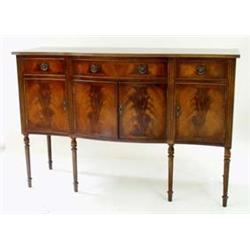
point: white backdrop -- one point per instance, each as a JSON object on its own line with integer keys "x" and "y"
{"x": 111, "y": 173}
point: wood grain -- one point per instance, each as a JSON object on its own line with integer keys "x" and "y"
{"x": 95, "y": 109}
{"x": 201, "y": 115}
{"x": 33, "y": 66}
{"x": 150, "y": 96}
{"x": 213, "y": 69}
{"x": 142, "y": 111}
{"x": 118, "y": 69}
{"x": 46, "y": 106}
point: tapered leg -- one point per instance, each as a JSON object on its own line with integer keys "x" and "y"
{"x": 227, "y": 156}
{"x": 74, "y": 160}
{"x": 49, "y": 151}
{"x": 27, "y": 155}
{"x": 170, "y": 171}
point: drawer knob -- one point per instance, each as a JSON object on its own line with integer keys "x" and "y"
{"x": 178, "y": 111}
{"x": 142, "y": 69}
{"x": 94, "y": 68}
{"x": 65, "y": 105}
{"x": 201, "y": 70}
{"x": 120, "y": 109}
{"x": 44, "y": 67}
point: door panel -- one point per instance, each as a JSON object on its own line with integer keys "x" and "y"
{"x": 95, "y": 109}
{"x": 46, "y": 107}
{"x": 200, "y": 113}
{"x": 142, "y": 111}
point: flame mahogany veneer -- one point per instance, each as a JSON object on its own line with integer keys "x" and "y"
{"x": 139, "y": 96}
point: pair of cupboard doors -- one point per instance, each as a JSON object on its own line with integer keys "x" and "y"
{"x": 126, "y": 99}
{"x": 105, "y": 110}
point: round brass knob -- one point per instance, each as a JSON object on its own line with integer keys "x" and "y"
{"x": 201, "y": 70}
{"x": 142, "y": 69}
{"x": 94, "y": 68}
{"x": 44, "y": 67}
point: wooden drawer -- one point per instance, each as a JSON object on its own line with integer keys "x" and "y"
{"x": 201, "y": 69}
{"x": 121, "y": 69}
{"x": 40, "y": 66}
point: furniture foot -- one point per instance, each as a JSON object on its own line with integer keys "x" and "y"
{"x": 49, "y": 151}
{"x": 170, "y": 171}
{"x": 227, "y": 156}
{"x": 74, "y": 160}
{"x": 27, "y": 155}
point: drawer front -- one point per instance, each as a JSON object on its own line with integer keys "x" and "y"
{"x": 140, "y": 69}
{"x": 201, "y": 69}
{"x": 41, "y": 66}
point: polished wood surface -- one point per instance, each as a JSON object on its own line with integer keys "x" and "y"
{"x": 74, "y": 163}
{"x": 200, "y": 113}
{"x": 46, "y": 106}
{"x": 201, "y": 69}
{"x": 41, "y": 66}
{"x": 142, "y": 110}
{"x": 95, "y": 110}
{"x": 49, "y": 151}
{"x": 227, "y": 156}
{"x": 132, "y": 52}
{"x": 27, "y": 156}
{"x": 118, "y": 69}
{"x": 170, "y": 171}
{"x": 153, "y": 96}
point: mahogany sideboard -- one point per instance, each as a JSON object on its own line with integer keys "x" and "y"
{"x": 136, "y": 95}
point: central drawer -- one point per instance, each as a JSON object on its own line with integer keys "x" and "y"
{"x": 119, "y": 68}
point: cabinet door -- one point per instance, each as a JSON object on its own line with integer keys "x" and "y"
{"x": 46, "y": 106}
{"x": 200, "y": 113}
{"x": 142, "y": 111}
{"x": 95, "y": 109}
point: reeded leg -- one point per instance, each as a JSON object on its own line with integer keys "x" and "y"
{"x": 49, "y": 151}
{"x": 170, "y": 171}
{"x": 27, "y": 155}
{"x": 227, "y": 156}
{"x": 74, "y": 160}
